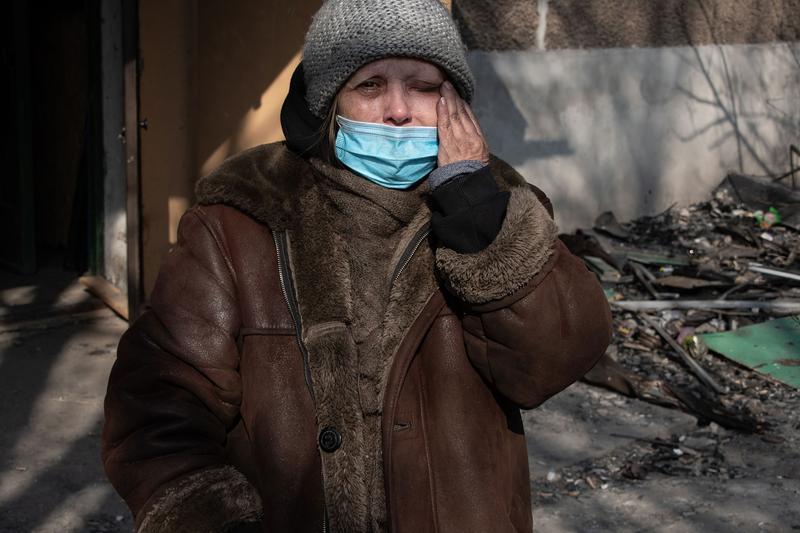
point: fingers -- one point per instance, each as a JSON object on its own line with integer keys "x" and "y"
{"x": 454, "y": 118}
{"x": 460, "y": 115}
{"x": 467, "y": 122}
{"x": 474, "y": 120}
{"x": 460, "y": 136}
{"x": 443, "y": 116}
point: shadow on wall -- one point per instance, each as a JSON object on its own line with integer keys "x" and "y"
{"x": 635, "y": 131}
{"x": 735, "y": 106}
{"x": 499, "y": 113}
{"x": 247, "y": 52}
{"x": 628, "y": 129}
{"x": 215, "y": 74}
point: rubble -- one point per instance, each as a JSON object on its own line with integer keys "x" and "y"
{"x": 693, "y": 455}
{"x": 713, "y": 267}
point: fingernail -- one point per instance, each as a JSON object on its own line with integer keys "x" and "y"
{"x": 441, "y": 100}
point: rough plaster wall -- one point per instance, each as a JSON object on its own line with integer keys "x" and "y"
{"x": 635, "y": 130}
{"x": 499, "y": 25}
{"x": 513, "y": 24}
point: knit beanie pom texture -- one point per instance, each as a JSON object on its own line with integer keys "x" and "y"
{"x": 347, "y": 34}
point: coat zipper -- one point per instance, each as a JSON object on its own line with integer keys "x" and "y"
{"x": 289, "y": 295}
{"x": 287, "y": 288}
{"x": 410, "y": 250}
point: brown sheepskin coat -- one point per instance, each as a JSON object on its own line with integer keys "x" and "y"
{"x": 240, "y": 394}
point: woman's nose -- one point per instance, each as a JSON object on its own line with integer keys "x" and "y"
{"x": 397, "y": 110}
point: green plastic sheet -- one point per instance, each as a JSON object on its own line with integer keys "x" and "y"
{"x": 772, "y": 348}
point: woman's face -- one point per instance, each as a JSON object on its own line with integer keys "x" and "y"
{"x": 394, "y": 91}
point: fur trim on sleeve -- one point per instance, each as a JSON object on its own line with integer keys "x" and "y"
{"x": 518, "y": 253}
{"x": 210, "y": 501}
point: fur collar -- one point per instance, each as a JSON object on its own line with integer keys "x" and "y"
{"x": 266, "y": 182}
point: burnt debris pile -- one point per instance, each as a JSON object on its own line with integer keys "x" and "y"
{"x": 706, "y": 303}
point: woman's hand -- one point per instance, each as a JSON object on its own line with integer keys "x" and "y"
{"x": 460, "y": 136}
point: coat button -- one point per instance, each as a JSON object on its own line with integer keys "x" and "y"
{"x": 330, "y": 440}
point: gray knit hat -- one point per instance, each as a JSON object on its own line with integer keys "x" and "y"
{"x": 347, "y": 34}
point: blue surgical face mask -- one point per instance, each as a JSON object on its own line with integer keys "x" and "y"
{"x": 394, "y": 157}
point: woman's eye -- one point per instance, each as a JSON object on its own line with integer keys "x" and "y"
{"x": 369, "y": 84}
{"x": 428, "y": 88}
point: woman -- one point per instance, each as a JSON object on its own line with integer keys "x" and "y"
{"x": 343, "y": 336}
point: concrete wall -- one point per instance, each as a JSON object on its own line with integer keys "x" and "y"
{"x": 215, "y": 75}
{"x": 635, "y": 130}
{"x": 634, "y": 105}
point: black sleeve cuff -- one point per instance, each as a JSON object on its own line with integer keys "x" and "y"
{"x": 470, "y": 210}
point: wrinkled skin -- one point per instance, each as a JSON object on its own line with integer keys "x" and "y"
{"x": 410, "y": 92}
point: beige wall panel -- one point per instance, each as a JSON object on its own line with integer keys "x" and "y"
{"x": 521, "y": 24}
{"x": 247, "y": 51}
{"x": 167, "y": 36}
{"x": 215, "y": 75}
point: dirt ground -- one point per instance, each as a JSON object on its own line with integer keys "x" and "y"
{"x": 599, "y": 461}
{"x": 682, "y": 478}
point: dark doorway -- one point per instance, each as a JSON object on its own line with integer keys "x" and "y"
{"x": 51, "y": 203}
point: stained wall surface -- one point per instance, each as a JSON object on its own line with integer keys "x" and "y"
{"x": 634, "y": 105}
